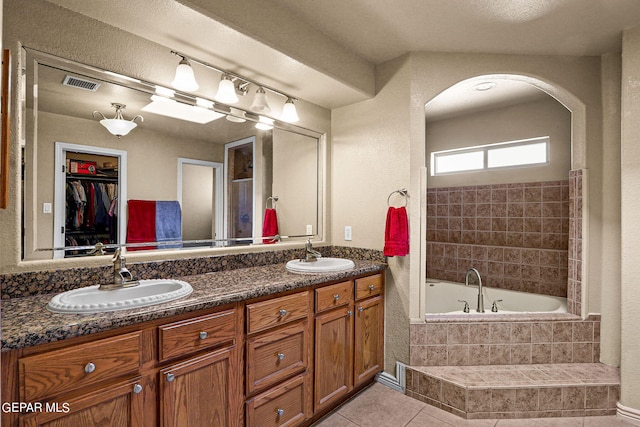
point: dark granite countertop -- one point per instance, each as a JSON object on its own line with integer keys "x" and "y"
{"x": 27, "y": 322}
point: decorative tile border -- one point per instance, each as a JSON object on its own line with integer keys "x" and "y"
{"x": 19, "y": 285}
{"x": 577, "y": 193}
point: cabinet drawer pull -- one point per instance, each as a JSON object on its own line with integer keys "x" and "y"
{"x": 360, "y": 309}
{"x": 349, "y": 313}
{"x": 283, "y": 312}
{"x": 336, "y": 297}
{"x": 137, "y": 388}
{"x": 203, "y": 335}
{"x": 280, "y": 356}
{"x": 280, "y": 412}
{"x": 371, "y": 287}
{"x": 89, "y": 367}
{"x": 170, "y": 377}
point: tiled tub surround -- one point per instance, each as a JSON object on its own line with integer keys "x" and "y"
{"x": 27, "y": 322}
{"x": 505, "y": 340}
{"x": 518, "y": 391}
{"x": 577, "y": 196}
{"x": 516, "y": 235}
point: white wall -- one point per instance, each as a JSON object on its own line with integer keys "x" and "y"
{"x": 198, "y": 200}
{"x": 609, "y": 292}
{"x": 545, "y": 117}
{"x": 630, "y": 225}
{"x": 295, "y": 180}
{"x": 371, "y": 158}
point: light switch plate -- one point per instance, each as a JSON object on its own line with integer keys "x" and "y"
{"x": 46, "y": 208}
{"x": 347, "y": 232}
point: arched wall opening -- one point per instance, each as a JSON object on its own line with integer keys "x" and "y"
{"x": 576, "y": 186}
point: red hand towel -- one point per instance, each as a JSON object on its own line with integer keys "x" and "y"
{"x": 270, "y": 225}
{"x": 141, "y": 225}
{"x": 396, "y": 233}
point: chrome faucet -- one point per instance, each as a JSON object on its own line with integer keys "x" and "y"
{"x": 122, "y": 277}
{"x": 311, "y": 254}
{"x": 480, "y": 308}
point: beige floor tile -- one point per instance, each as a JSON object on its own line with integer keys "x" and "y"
{"x": 380, "y": 406}
{"x": 425, "y": 420}
{"x": 451, "y": 419}
{"x": 335, "y": 420}
{"x": 611, "y": 421}
{"x": 560, "y": 422}
{"x": 527, "y": 422}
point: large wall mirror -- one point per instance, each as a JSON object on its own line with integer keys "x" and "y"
{"x": 207, "y": 174}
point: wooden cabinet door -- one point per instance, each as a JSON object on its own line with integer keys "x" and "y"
{"x": 334, "y": 356}
{"x": 118, "y": 405}
{"x": 202, "y": 391}
{"x": 369, "y": 336}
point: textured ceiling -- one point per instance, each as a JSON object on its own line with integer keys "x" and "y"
{"x": 379, "y": 30}
{"x": 325, "y": 51}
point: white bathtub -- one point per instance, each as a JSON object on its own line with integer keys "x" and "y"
{"x": 441, "y": 297}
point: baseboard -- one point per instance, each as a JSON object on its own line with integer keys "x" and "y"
{"x": 398, "y": 382}
{"x": 629, "y": 414}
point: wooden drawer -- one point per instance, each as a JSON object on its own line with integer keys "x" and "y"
{"x": 277, "y": 311}
{"x": 276, "y": 355}
{"x": 333, "y": 296}
{"x": 67, "y": 369}
{"x": 188, "y": 336}
{"x": 369, "y": 286}
{"x": 284, "y": 406}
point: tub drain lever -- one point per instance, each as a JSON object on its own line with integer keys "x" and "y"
{"x": 494, "y": 306}
{"x": 466, "y": 305}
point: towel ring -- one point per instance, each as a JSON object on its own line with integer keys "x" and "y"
{"x": 273, "y": 200}
{"x": 403, "y": 191}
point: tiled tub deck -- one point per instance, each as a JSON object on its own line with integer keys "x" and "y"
{"x": 508, "y": 367}
{"x": 518, "y": 391}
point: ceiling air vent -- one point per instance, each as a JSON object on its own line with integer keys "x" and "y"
{"x": 80, "y": 83}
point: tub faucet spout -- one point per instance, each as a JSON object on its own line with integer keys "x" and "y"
{"x": 480, "y": 308}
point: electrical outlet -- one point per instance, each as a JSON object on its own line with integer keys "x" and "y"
{"x": 309, "y": 229}
{"x": 347, "y": 232}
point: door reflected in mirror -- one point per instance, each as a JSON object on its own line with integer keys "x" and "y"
{"x": 162, "y": 159}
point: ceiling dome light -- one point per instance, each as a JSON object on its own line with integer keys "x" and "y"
{"x": 226, "y": 91}
{"x": 118, "y": 126}
{"x": 185, "y": 79}
{"x": 260, "y": 104}
{"x": 484, "y": 86}
{"x": 289, "y": 113}
{"x": 264, "y": 123}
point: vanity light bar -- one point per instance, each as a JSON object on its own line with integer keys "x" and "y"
{"x": 244, "y": 80}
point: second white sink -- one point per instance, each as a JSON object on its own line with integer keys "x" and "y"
{"x": 321, "y": 265}
{"x": 90, "y": 299}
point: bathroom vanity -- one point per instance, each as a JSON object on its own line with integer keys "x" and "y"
{"x": 256, "y": 352}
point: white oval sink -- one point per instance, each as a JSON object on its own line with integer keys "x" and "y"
{"x": 90, "y": 299}
{"x": 321, "y": 265}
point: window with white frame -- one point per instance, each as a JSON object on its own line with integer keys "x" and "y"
{"x": 510, "y": 154}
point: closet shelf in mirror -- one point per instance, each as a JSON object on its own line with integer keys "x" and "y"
{"x": 92, "y": 178}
